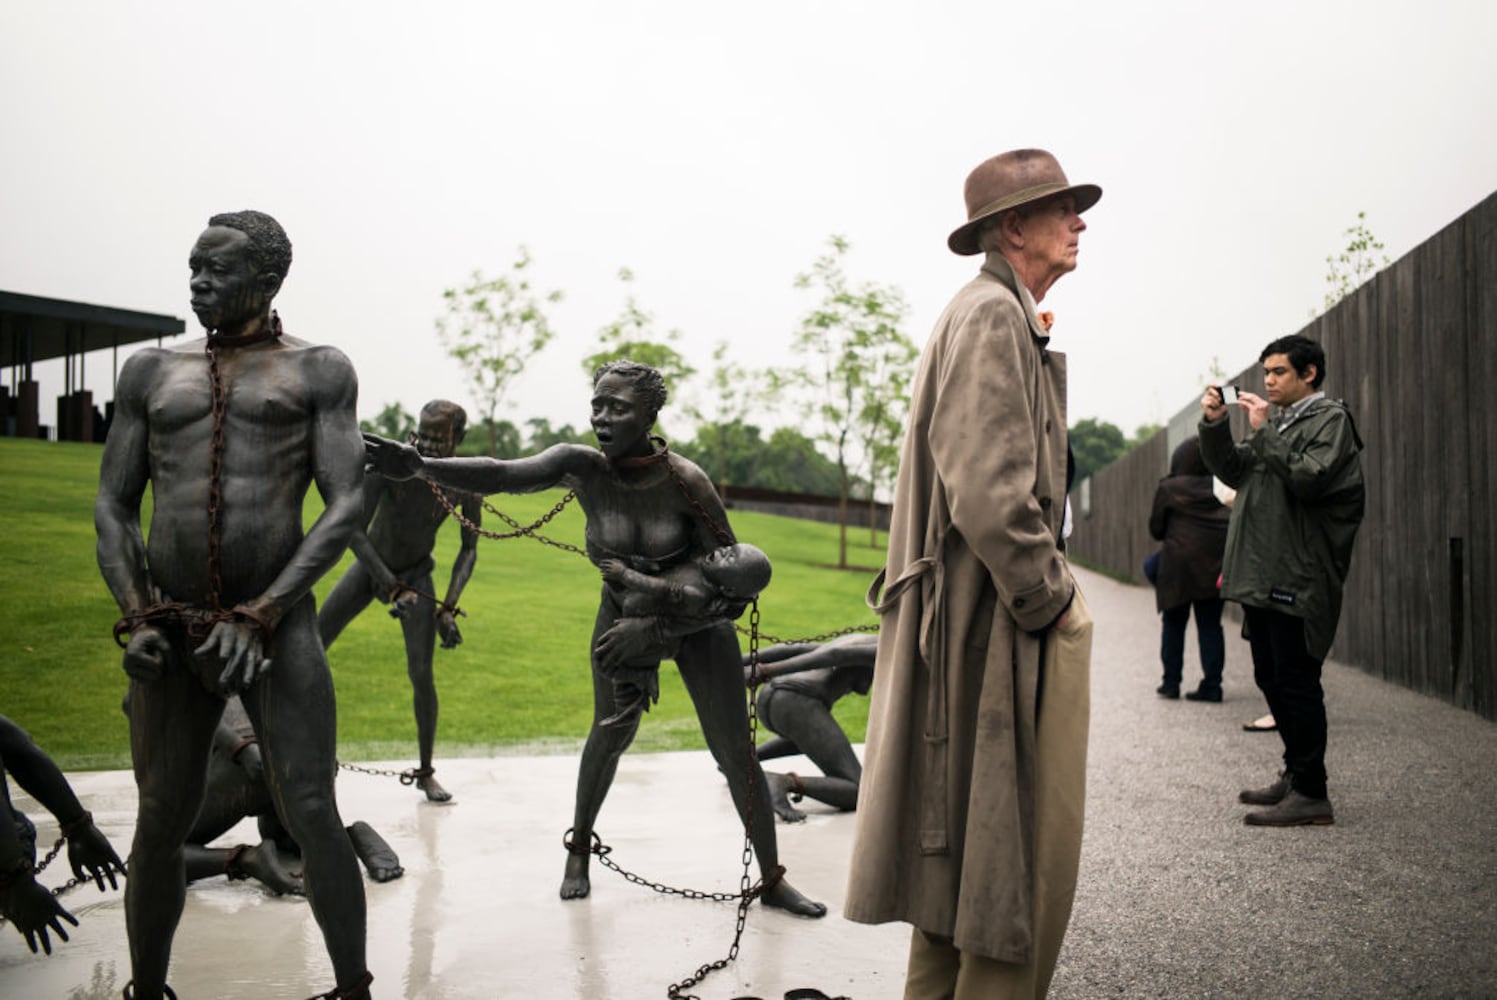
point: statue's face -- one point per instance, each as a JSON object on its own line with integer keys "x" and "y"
{"x": 724, "y": 568}
{"x": 434, "y": 437}
{"x": 620, "y": 419}
{"x": 228, "y": 288}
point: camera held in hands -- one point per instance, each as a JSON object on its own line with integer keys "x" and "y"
{"x": 1228, "y": 394}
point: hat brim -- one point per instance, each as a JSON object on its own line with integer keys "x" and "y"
{"x": 963, "y": 239}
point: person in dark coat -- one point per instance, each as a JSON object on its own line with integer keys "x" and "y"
{"x": 1192, "y": 523}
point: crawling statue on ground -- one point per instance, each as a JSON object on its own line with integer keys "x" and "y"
{"x": 802, "y": 683}
{"x": 237, "y": 790}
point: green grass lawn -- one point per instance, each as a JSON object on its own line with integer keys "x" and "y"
{"x": 519, "y": 682}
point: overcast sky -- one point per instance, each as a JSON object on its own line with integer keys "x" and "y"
{"x": 713, "y": 148}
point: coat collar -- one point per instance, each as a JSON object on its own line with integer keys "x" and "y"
{"x": 997, "y": 266}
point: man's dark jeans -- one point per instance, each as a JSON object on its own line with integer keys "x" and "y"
{"x": 1208, "y": 635}
{"x": 1289, "y": 678}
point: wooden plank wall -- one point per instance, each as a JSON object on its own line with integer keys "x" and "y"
{"x": 1109, "y": 533}
{"x": 1414, "y": 354}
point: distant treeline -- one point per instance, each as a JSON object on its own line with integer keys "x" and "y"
{"x": 734, "y": 454}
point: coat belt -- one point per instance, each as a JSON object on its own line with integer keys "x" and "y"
{"x": 930, "y": 573}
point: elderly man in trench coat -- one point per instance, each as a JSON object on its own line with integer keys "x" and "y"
{"x": 969, "y": 818}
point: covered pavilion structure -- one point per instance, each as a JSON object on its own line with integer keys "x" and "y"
{"x": 34, "y": 329}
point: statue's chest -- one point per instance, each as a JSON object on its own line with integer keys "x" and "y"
{"x": 416, "y": 501}
{"x": 252, "y": 392}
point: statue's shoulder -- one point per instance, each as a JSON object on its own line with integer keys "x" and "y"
{"x": 324, "y": 359}
{"x": 578, "y": 461}
{"x": 689, "y": 471}
{"x": 311, "y": 350}
{"x": 145, "y": 365}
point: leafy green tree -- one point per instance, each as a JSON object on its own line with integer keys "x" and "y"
{"x": 886, "y": 404}
{"x": 394, "y": 422}
{"x": 790, "y": 461}
{"x": 1142, "y": 433}
{"x": 731, "y": 452}
{"x": 493, "y": 327}
{"x": 1348, "y": 270}
{"x": 1095, "y": 443}
{"x": 721, "y": 431}
{"x": 543, "y": 435}
{"x": 632, "y": 335}
{"x": 852, "y": 342}
{"x": 499, "y": 439}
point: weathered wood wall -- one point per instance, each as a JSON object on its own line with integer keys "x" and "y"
{"x": 1414, "y": 354}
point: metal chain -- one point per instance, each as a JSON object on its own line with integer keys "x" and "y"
{"x": 747, "y": 893}
{"x": 409, "y": 776}
{"x": 724, "y": 536}
{"x": 72, "y": 883}
{"x": 402, "y": 587}
{"x": 528, "y": 531}
{"x": 822, "y": 637}
{"x": 51, "y": 855}
{"x": 215, "y": 477}
{"x": 603, "y": 851}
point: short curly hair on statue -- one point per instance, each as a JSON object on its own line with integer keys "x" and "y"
{"x": 646, "y": 379}
{"x": 269, "y": 246}
{"x": 446, "y": 409}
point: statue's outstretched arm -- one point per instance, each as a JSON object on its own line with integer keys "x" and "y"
{"x": 559, "y": 465}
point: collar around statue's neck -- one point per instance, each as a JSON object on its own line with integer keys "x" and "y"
{"x": 640, "y": 461}
{"x": 267, "y": 331}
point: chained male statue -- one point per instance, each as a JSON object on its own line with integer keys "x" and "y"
{"x": 651, "y": 510}
{"x": 229, "y": 432}
{"x": 394, "y": 550}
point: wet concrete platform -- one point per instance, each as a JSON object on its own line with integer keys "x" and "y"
{"x": 477, "y": 915}
{"x": 1177, "y": 898}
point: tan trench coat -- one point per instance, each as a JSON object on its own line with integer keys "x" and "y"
{"x": 945, "y": 821}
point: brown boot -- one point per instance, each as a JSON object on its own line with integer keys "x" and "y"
{"x": 1295, "y": 810}
{"x": 1271, "y": 795}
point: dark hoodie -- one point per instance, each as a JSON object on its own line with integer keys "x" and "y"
{"x": 1192, "y": 523}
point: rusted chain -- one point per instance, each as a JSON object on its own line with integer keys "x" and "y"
{"x": 747, "y": 893}
{"x": 215, "y": 341}
{"x": 441, "y": 605}
{"x": 409, "y": 776}
{"x": 823, "y": 637}
{"x": 526, "y": 531}
{"x": 215, "y": 477}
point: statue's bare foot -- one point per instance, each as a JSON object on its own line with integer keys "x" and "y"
{"x": 574, "y": 883}
{"x": 260, "y": 862}
{"x": 433, "y": 789}
{"x": 787, "y": 897}
{"x": 779, "y": 797}
{"x": 378, "y": 857}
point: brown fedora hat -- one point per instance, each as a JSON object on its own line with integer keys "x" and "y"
{"x": 1011, "y": 179}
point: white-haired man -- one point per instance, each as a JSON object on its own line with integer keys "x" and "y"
{"x": 969, "y": 817}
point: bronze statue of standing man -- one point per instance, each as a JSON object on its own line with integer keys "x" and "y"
{"x": 395, "y": 567}
{"x": 229, "y": 432}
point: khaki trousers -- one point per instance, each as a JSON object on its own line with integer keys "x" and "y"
{"x": 937, "y": 970}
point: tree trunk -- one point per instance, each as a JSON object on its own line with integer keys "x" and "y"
{"x": 842, "y": 518}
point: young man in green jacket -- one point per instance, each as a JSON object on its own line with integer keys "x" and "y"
{"x": 1299, "y": 502}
